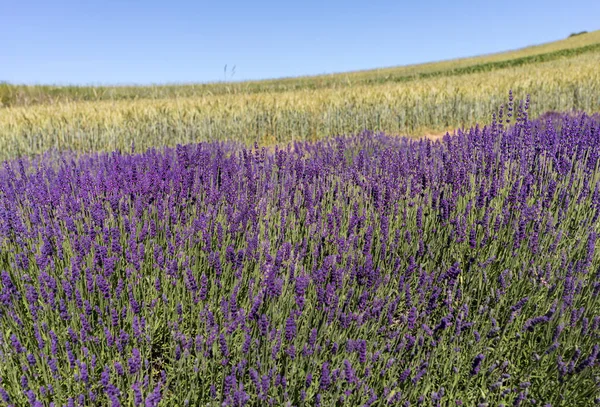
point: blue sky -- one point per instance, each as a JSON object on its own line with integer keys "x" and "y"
{"x": 142, "y": 42}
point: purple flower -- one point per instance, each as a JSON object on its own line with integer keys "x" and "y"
{"x": 349, "y": 372}
{"x": 589, "y": 361}
{"x": 291, "y": 352}
{"x": 190, "y": 281}
{"x": 476, "y": 365}
{"x": 419, "y": 375}
{"x": 137, "y": 394}
{"x": 52, "y": 364}
{"x": 325, "y": 380}
{"x": 135, "y": 361}
{"x": 32, "y": 398}
{"x": 228, "y": 384}
{"x": 473, "y": 238}
{"x": 290, "y": 328}
{"x": 308, "y": 381}
{"x": 83, "y": 371}
{"x": 119, "y": 368}
{"x": 404, "y": 375}
{"x": 362, "y": 351}
{"x": 105, "y": 377}
{"x": 103, "y": 286}
{"x": 70, "y": 355}
{"x": 123, "y": 340}
{"x": 312, "y": 339}
{"x": 247, "y": 343}
{"x": 412, "y": 318}
{"x": 452, "y": 274}
{"x": 16, "y": 344}
{"x": 4, "y": 396}
{"x": 223, "y": 346}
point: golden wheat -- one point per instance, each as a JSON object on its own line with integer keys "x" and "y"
{"x": 417, "y": 107}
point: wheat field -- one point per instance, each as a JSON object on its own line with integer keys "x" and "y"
{"x": 413, "y": 100}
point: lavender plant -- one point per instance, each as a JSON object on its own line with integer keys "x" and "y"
{"x": 362, "y": 270}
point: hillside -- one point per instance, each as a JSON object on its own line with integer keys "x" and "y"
{"x": 413, "y": 100}
{"x": 21, "y": 95}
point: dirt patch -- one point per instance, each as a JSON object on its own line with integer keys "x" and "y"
{"x": 270, "y": 148}
{"x": 434, "y": 137}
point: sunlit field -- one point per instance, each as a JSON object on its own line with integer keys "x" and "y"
{"x": 297, "y": 242}
{"x": 414, "y": 101}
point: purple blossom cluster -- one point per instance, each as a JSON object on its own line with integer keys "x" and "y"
{"x": 362, "y": 270}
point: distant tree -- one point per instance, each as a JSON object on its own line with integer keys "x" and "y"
{"x": 579, "y": 33}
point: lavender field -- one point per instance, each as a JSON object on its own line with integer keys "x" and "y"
{"x": 363, "y": 270}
